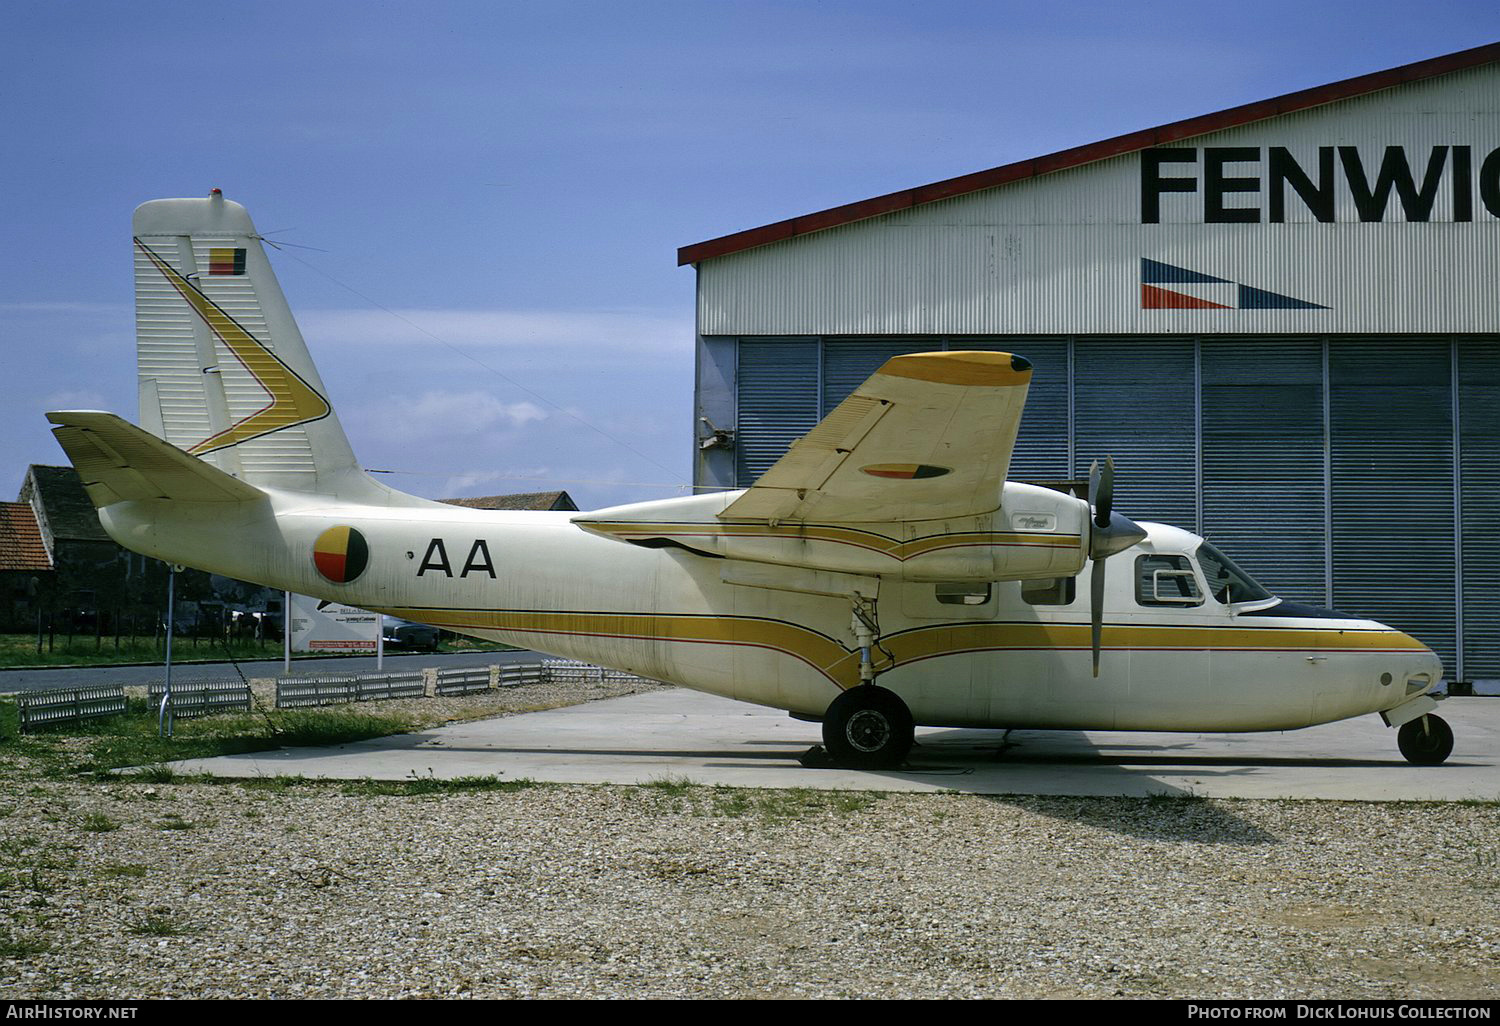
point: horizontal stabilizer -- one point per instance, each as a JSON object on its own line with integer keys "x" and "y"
{"x": 120, "y": 462}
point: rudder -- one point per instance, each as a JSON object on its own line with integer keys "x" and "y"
{"x": 224, "y": 372}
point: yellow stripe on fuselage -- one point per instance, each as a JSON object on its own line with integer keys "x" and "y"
{"x": 841, "y": 665}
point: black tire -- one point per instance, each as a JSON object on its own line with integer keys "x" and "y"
{"x": 868, "y": 727}
{"x": 1425, "y": 741}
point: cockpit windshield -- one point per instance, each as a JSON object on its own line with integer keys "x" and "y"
{"x": 1227, "y": 582}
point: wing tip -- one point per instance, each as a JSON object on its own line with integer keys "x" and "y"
{"x": 962, "y": 367}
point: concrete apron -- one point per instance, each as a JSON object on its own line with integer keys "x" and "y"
{"x": 677, "y": 735}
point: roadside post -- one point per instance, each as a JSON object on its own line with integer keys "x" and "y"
{"x": 164, "y": 713}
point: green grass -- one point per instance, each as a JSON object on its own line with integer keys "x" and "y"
{"x": 36, "y": 880}
{"x": 126, "y": 742}
{"x": 786, "y": 806}
{"x": 15, "y": 945}
{"x": 101, "y": 746}
{"x": 29, "y": 857}
{"x": 433, "y": 785}
{"x": 98, "y": 823}
{"x": 680, "y": 795}
{"x": 675, "y": 787}
{"x": 21, "y": 650}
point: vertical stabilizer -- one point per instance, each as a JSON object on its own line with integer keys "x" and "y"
{"x": 224, "y": 373}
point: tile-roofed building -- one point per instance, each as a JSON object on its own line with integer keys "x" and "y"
{"x": 59, "y": 566}
{"x": 25, "y": 565}
{"x": 21, "y": 548}
{"x": 524, "y": 500}
{"x": 63, "y": 509}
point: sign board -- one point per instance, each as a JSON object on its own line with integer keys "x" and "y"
{"x": 321, "y": 626}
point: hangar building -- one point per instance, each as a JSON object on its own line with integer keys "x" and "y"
{"x": 1282, "y": 321}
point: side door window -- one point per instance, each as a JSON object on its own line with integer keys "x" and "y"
{"x": 1166, "y": 580}
{"x": 1054, "y": 591}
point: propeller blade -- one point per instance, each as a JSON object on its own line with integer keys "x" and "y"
{"x": 1102, "y": 490}
{"x": 1096, "y": 608}
{"x": 1110, "y": 534}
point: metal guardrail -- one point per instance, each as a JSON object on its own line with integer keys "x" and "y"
{"x": 571, "y": 671}
{"x": 41, "y": 708}
{"x": 518, "y": 674}
{"x": 203, "y": 697}
{"x": 463, "y": 680}
{"x": 297, "y": 692}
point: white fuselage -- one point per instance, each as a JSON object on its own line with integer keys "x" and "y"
{"x": 538, "y": 580}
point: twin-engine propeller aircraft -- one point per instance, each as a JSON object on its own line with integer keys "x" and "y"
{"x": 882, "y": 574}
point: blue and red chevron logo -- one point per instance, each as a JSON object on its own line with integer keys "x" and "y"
{"x": 1194, "y": 290}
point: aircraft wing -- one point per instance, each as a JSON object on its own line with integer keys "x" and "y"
{"x": 928, "y": 436}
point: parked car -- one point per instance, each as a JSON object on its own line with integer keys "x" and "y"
{"x": 400, "y": 633}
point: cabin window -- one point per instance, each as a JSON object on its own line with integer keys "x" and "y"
{"x": 962, "y": 594}
{"x": 1226, "y": 581}
{"x": 1054, "y": 591}
{"x": 1162, "y": 580}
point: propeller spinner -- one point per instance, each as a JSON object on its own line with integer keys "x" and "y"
{"x": 1110, "y": 533}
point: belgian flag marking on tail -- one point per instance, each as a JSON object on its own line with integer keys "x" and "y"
{"x": 226, "y": 261}
{"x": 341, "y": 554}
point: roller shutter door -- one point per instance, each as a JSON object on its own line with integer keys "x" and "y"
{"x": 1479, "y": 447}
{"x": 1135, "y": 400}
{"x": 1263, "y": 487}
{"x": 847, "y": 364}
{"x": 778, "y": 401}
{"x": 1041, "y": 452}
{"x": 1390, "y": 413}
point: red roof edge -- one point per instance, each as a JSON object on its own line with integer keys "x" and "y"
{"x": 1078, "y": 155}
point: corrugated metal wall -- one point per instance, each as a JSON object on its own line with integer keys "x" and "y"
{"x": 1061, "y": 253}
{"x": 1478, "y": 373}
{"x": 1135, "y": 401}
{"x": 1264, "y": 484}
{"x": 1360, "y": 473}
{"x": 777, "y": 401}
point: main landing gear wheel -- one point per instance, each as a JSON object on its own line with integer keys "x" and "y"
{"x": 868, "y": 727}
{"x": 1426, "y": 740}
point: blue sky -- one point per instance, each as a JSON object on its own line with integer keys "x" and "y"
{"x": 494, "y": 193}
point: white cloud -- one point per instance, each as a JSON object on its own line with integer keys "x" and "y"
{"x": 80, "y": 399}
{"x": 624, "y": 332}
{"x": 475, "y": 482}
{"x": 448, "y": 415}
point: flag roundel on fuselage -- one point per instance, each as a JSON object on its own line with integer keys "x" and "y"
{"x": 341, "y": 554}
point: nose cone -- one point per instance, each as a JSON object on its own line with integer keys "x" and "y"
{"x": 1118, "y": 535}
{"x": 1422, "y": 669}
{"x": 1433, "y": 666}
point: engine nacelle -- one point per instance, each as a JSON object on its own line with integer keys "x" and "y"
{"x": 1035, "y": 533}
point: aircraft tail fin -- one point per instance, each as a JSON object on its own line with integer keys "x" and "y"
{"x": 224, "y": 373}
{"x": 119, "y": 462}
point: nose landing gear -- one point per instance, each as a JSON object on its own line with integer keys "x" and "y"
{"x": 1425, "y": 741}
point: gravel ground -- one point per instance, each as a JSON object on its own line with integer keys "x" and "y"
{"x": 132, "y": 890}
